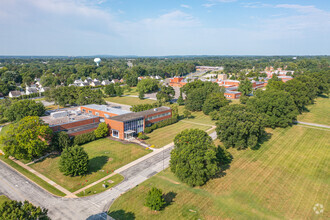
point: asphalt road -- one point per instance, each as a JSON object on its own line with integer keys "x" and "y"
{"x": 19, "y": 188}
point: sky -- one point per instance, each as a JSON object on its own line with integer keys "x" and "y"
{"x": 164, "y": 27}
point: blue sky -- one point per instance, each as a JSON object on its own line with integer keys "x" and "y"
{"x": 164, "y": 27}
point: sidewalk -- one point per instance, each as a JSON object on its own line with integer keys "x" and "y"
{"x": 312, "y": 124}
{"x": 67, "y": 192}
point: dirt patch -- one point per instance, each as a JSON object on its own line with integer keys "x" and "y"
{"x": 165, "y": 178}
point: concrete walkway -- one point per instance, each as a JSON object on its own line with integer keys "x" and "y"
{"x": 312, "y": 124}
{"x": 67, "y": 192}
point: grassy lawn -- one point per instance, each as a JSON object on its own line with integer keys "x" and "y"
{"x": 318, "y": 113}
{"x": 163, "y": 136}
{"x": 32, "y": 177}
{"x": 105, "y": 156}
{"x": 98, "y": 188}
{"x": 3, "y": 199}
{"x": 283, "y": 179}
{"x": 129, "y": 100}
{"x": 132, "y": 92}
{"x": 197, "y": 117}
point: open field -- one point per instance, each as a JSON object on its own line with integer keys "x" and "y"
{"x": 98, "y": 188}
{"x": 32, "y": 177}
{"x": 126, "y": 100}
{"x": 318, "y": 113}
{"x": 132, "y": 92}
{"x": 105, "y": 156}
{"x": 283, "y": 179}
{"x": 163, "y": 136}
{"x": 3, "y": 199}
{"x": 197, "y": 117}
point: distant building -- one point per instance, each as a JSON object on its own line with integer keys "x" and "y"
{"x": 95, "y": 83}
{"x": 30, "y": 90}
{"x": 209, "y": 68}
{"x": 177, "y": 81}
{"x": 232, "y": 94}
{"x": 106, "y": 82}
{"x": 13, "y": 94}
{"x": 222, "y": 77}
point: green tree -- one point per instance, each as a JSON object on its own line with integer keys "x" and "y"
{"x": 147, "y": 85}
{"x": 110, "y": 90}
{"x": 214, "y": 101}
{"x": 154, "y": 199}
{"x": 119, "y": 90}
{"x": 74, "y": 161}
{"x": 102, "y": 130}
{"x": 180, "y": 100}
{"x": 141, "y": 95}
{"x": 131, "y": 79}
{"x": 278, "y": 106}
{"x": 275, "y": 85}
{"x": 165, "y": 94}
{"x": 299, "y": 92}
{"x": 20, "y": 109}
{"x": 193, "y": 159}
{"x": 18, "y": 210}
{"x": 238, "y": 127}
{"x": 245, "y": 87}
{"x": 60, "y": 141}
{"x": 186, "y": 113}
{"x": 27, "y": 139}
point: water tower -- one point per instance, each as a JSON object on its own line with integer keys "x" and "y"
{"x": 97, "y": 61}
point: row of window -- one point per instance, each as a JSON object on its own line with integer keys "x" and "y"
{"x": 135, "y": 125}
{"x": 158, "y": 116}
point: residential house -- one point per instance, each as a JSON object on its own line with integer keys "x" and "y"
{"x": 13, "y": 94}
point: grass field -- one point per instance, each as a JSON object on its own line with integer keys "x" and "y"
{"x": 283, "y": 179}
{"x": 197, "y": 117}
{"x": 132, "y": 92}
{"x": 3, "y": 199}
{"x": 318, "y": 113}
{"x": 105, "y": 156}
{"x": 129, "y": 100}
{"x": 98, "y": 188}
{"x": 163, "y": 136}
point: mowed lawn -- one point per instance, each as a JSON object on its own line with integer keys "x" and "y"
{"x": 318, "y": 113}
{"x": 126, "y": 100}
{"x": 283, "y": 179}
{"x": 163, "y": 136}
{"x": 105, "y": 155}
{"x": 197, "y": 117}
{"x": 3, "y": 199}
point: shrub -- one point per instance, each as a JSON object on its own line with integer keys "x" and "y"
{"x": 160, "y": 125}
{"x": 154, "y": 199}
{"x": 74, "y": 161}
{"x": 102, "y": 130}
{"x": 143, "y": 137}
{"x": 84, "y": 138}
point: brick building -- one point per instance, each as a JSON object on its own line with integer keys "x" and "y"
{"x": 122, "y": 124}
{"x": 177, "y": 82}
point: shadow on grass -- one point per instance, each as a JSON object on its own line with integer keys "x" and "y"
{"x": 265, "y": 138}
{"x": 95, "y": 164}
{"x": 122, "y": 215}
{"x": 169, "y": 197}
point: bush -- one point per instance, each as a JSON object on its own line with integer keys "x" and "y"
{"x": 143, "y": 137}
{"x": 160, "y": 125}
{"x": 74, "y": 161}
{"x": 60, "y": 141}
{"x": 154, "y": 199}
{"x": 84, "y": 138}
{"x": 102, "y": 130}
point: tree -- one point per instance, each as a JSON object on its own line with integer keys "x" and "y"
{"x": 180, "y": 100}
{"x": 245, "y": 87}
{"x": 141, "y": 95}
{"x": 147, "y": 85}
{"x": 299, "y": 92}
{"x": 238, "y": 127}
{"x": 20, "y": 109}
{"x": 278, "y": 106}
{"x": 131, "y": 79}
{"x": 141, "y": 107}
{"x": 60, "y": 141}
{"x": 102, "y": 130}
{"x": 165, "y": 94}
{"x": 74, "y": 161}
{"x": 186, "y": 113}
{"x": 154, "y": 199}
{"x": 119, "y": 90}
{"x": 214, "y": 101}
{"x": 17, "y": 210}
{"x": 275, "y": 85}
{"x": 27, "y": 139}
{"x": 110, "y": 90}
{"x": 193, "y": 159}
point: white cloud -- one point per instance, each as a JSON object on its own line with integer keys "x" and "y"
{"x": 185, "y": 6}
{"x": 208, "y": 5}
{"x": 212, "y": 3}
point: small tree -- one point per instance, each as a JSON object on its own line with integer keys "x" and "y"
{"x": 60, "y": 141}
{"x": 214, "y": 101}
{"x": 141, "y": 95}
{"x": 74, "y": 161}
{"x": 154, "y": 199}
{"x": 180, "y": 100}
{"x": 245, "y": 87}
{"x": 186, "y": 113}
{"x": 110, "y": 90}
{"x": 102, "y": 130}
{"x": 18, "y": 210}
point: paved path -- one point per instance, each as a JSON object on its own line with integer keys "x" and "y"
{"x": 312, "y": 124}
{"x": 17, "y": 187}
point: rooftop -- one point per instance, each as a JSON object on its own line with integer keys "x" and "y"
{"x": 232, "y": 92}
{"x": 137, "y": 115}
{"x": 105, "y": 108}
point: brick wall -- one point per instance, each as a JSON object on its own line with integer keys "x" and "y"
{"x": 75, "y": 124}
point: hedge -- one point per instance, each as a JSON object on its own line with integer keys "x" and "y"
{"x": 160, "y": 125}
{"x": 84, "y": 138}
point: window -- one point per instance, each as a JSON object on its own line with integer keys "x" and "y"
{"x": 115, "y": 133}
{"x": 89, "y": 111}
{"x": 97, "y": 113}
{"x": 84, "y": 110}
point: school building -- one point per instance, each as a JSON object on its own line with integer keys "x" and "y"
{"x": 122, "y": 124}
